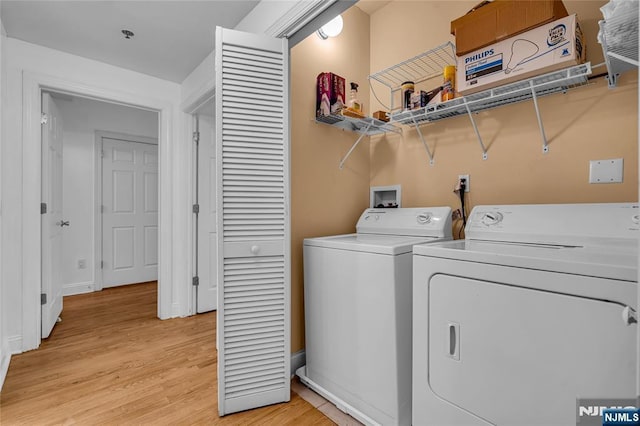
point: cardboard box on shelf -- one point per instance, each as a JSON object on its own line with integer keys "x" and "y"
{"x": 330, "y": 94}
{"x": 553, "y": 46}
{"x": 381, "y": 115}
{"x": 502, "y": 19}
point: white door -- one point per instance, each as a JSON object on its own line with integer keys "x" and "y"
{"x": 253, "y": 238}
{"x": 129, "y": 212}
{"x": 52, "y": 221}
{"x": 207, "y": 252}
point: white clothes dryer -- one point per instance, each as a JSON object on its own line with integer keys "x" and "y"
{"x": 357, "y": 293}
{"x": 534, "y": 311}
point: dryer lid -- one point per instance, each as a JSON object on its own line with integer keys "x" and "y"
{"x": 603, "y": 262}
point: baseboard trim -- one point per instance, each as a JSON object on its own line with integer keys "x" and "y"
{"x": 298, "y": 359}
{"x": 15, "y": 344}
{"x": 77, "y": 288}
{"x": 4, "y": 367}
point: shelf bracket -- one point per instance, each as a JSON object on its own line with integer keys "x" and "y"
{"x": 362, "y": 135}
{"x": 426, "y": 147}
{"x": 475, "y": 128}
{"x": 545, "y": 145}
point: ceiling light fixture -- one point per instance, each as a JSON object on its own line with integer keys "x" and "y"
{"x": 128, "y": 34}
{"x": 331, "y": 28}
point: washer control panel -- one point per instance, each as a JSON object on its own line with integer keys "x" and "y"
{"x": 424, "y": 218}
{"x": 415, "y": 221}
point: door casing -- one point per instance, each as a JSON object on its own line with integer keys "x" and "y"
{"x": 97, "y": 208}
{"x": 173, "y": 251}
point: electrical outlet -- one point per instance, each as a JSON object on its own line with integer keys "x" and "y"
{"x": 82, "y": 263}
{"x": 467, "y": 182}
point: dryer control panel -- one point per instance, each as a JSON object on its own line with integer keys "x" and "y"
{"x": 414, "y": 221}
{"x": 559, "y": 224}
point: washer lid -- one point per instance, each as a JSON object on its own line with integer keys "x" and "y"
{"x": 370, "y": 243}
{"x": 619, "y": 264}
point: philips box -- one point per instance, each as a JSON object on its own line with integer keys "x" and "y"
{"x": 546, "y": 48}
{"x": 496, "y": 21}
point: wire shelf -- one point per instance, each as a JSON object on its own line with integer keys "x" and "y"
{"x": 423, "y": 67}
{"x": 546, "y": 84}
{"x": 367, "y": 125}
{"x": 619, "y": 39}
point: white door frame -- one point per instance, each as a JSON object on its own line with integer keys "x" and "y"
{"x": 189, "y": 108}
{"x": 97, "y": 207}
{"x": 32, "y": 86}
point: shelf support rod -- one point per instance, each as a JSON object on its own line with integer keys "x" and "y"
{"x": 426, "y": 147}
{"x": 362, "y": 135}
{"x": 475, "y": 128}
{"x": 545, "y": 146}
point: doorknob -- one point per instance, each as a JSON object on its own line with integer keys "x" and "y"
{"x": 254, "y": 249}
{"x": 63, "y": 223}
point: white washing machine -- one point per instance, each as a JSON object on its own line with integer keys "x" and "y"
{"x": 357, "y": 294}
{"x": 535, "y": 309}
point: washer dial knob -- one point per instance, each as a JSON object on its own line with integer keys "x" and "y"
{"x": 424, "y": 218}
{"x": 492, "y": 218}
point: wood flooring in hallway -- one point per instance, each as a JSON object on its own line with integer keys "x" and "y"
{"x": 111, "y": 361}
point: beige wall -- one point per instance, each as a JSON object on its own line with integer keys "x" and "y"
{"x": 324, "y": 199}
{"x": 588, "y": 123}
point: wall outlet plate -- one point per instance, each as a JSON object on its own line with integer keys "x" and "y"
{"x": 467, "y": 182}
{"x": 606, "y": 171}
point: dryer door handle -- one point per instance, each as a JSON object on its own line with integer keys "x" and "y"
{"x": 453, "y": 340}
{"x": 629, "y": 316}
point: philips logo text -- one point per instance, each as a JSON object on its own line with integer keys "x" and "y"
{"x": 479, "y": 56}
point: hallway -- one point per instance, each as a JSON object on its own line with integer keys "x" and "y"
{"x": 111, "y": 361}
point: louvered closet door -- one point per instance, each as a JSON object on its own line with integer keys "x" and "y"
{"x": 252, "y": 142}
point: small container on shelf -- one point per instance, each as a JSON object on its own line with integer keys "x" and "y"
{"x": 330, "y": 94}
{"x": 449, "y": 83}
{"x": 381, "y": 115}
{"x": 408, "y": 87}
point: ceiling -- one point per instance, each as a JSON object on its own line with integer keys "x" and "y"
{"x": 371, "y": 6}
{"x": 172, "y": 37}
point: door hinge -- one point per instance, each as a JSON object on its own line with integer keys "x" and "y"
{"x": 43, "y": 298}
{"x": 102, "y": 154}
{"x": 196, "y": 208}
{"x": 196, "y": 137}
{"x": 44, "y": 118}
{"x": 102, "y": 208}
{"x": 102, "y": 264}
{"x": 43, "y": 208}
{"x": 196, "y": 281}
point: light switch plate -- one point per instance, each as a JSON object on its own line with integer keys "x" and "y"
{"x": 606, "y": 171}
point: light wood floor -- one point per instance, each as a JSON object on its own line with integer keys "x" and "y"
{"x": 111, "y": 361}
